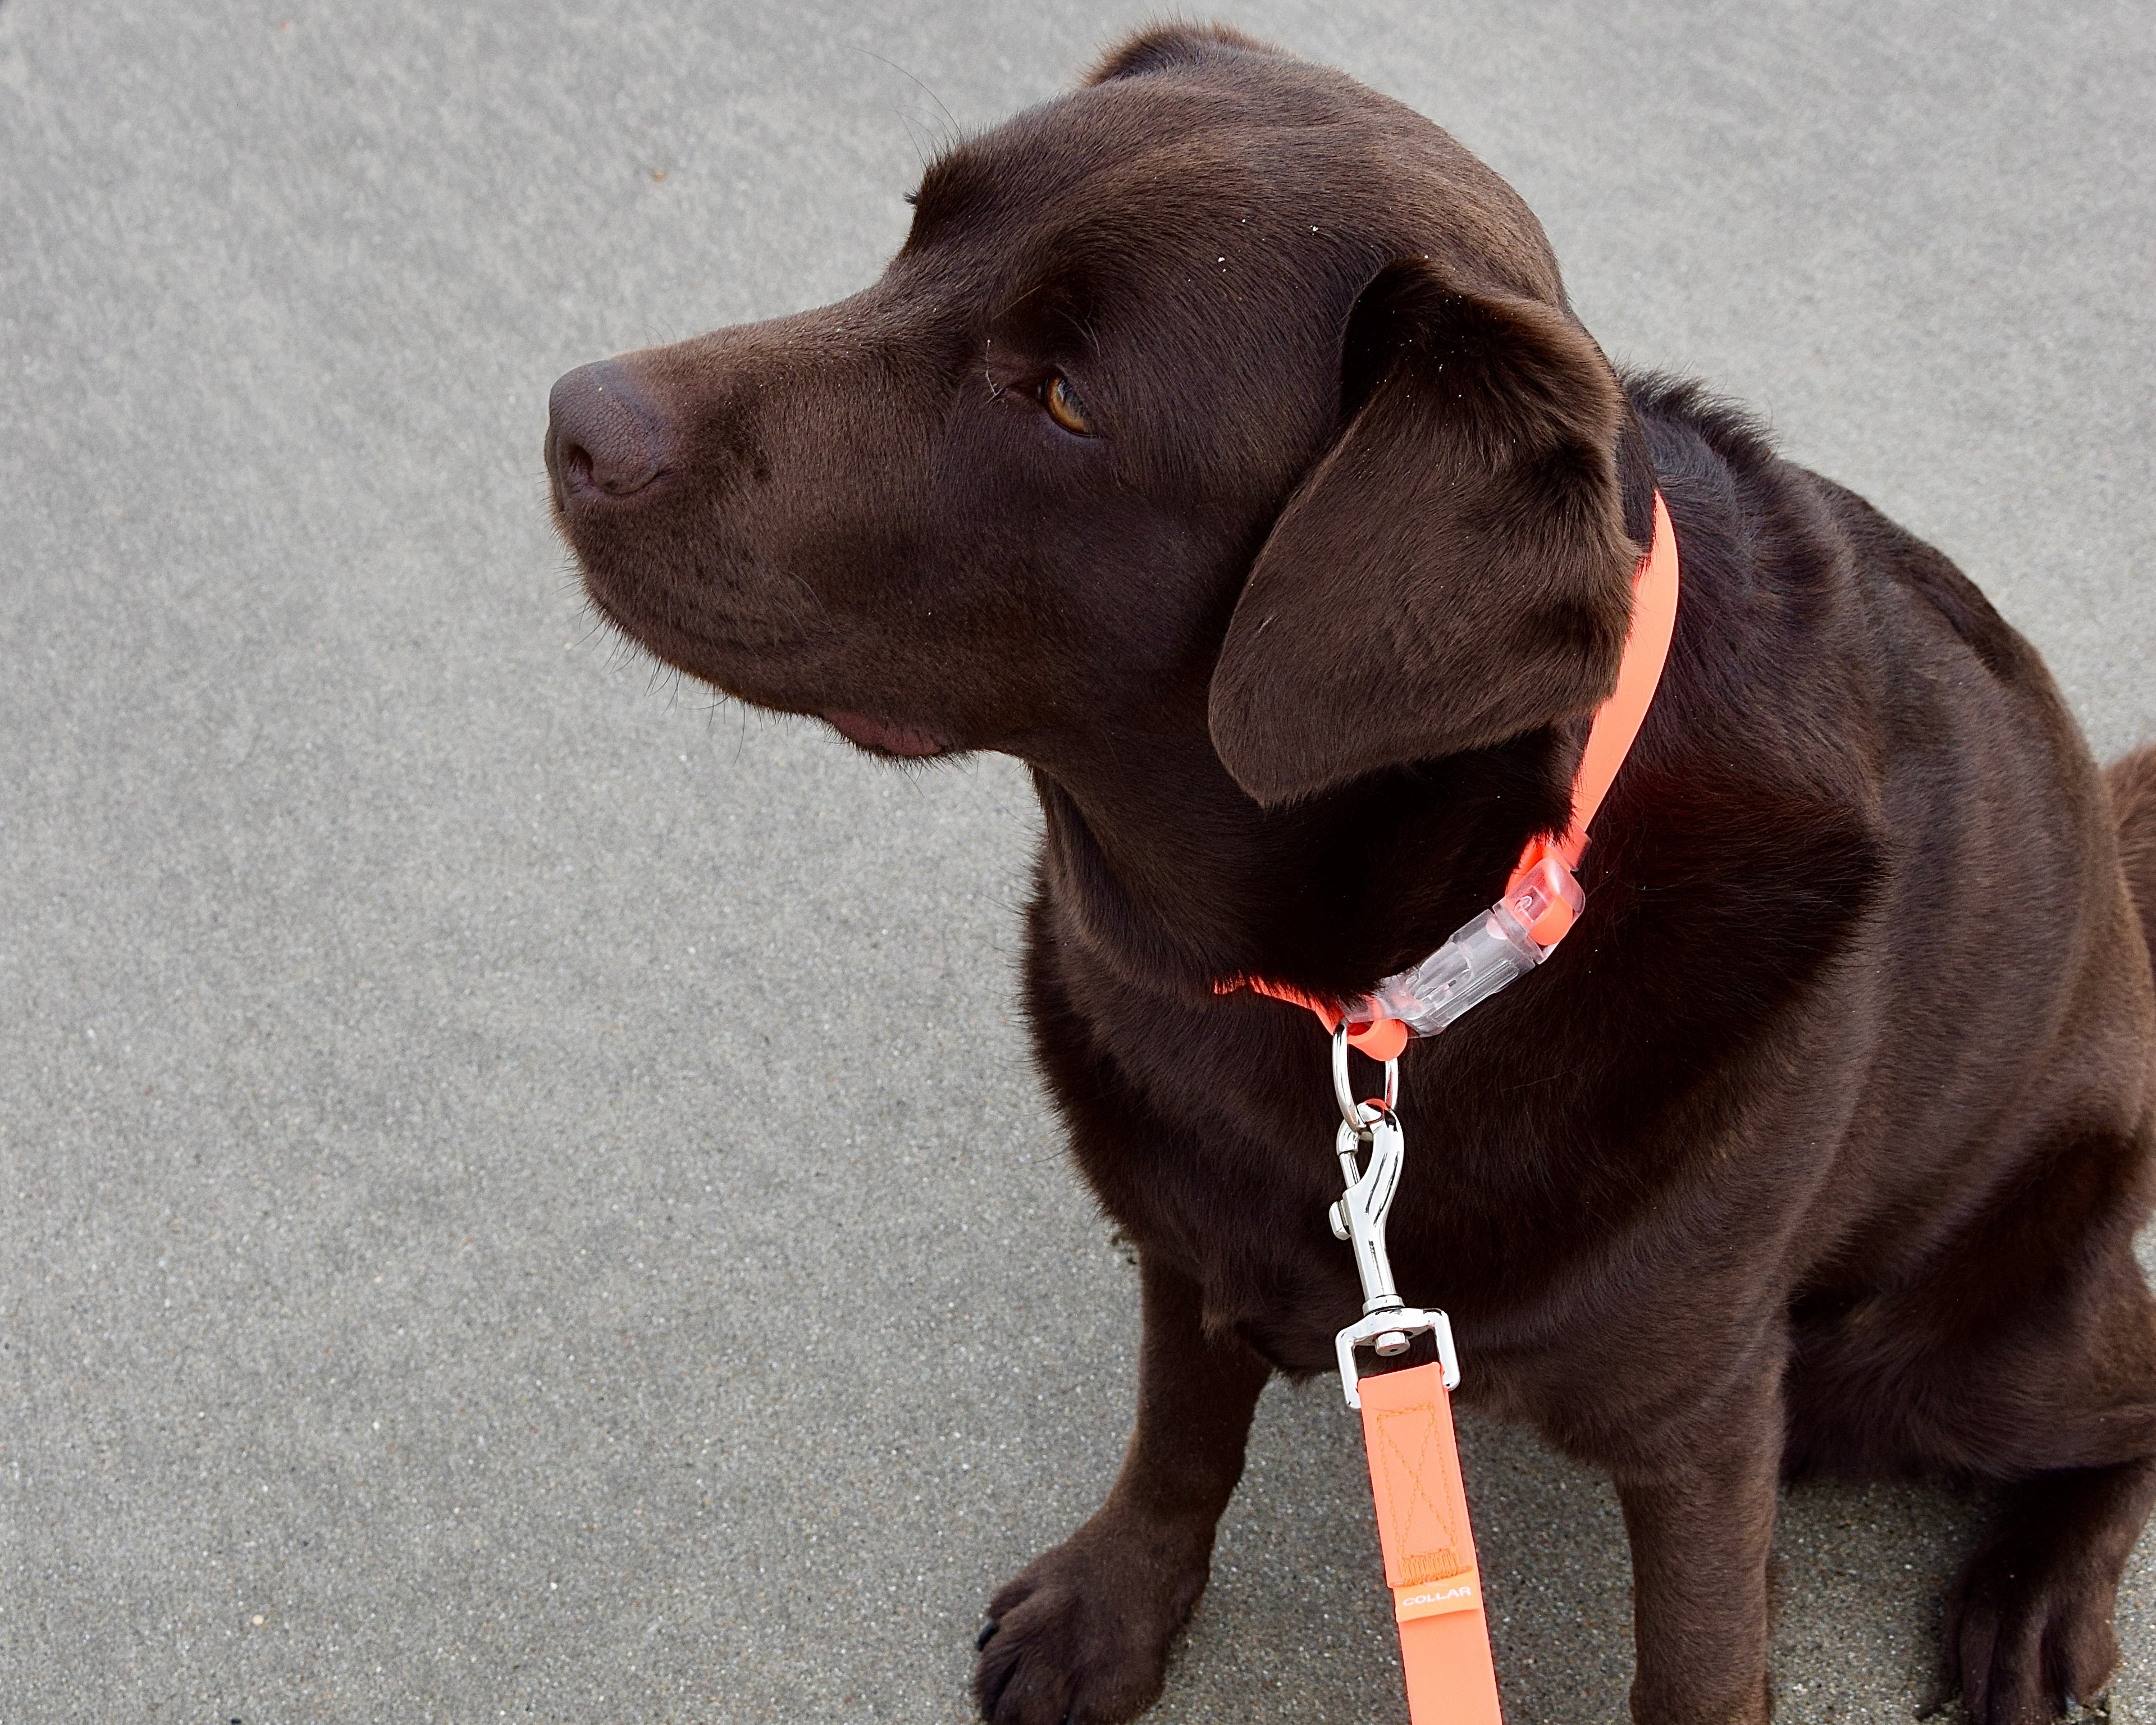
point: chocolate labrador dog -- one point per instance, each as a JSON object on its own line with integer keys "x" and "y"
{"x": 1221, "y": 444}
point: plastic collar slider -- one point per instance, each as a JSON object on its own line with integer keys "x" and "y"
{"x": 1497, "y": 946}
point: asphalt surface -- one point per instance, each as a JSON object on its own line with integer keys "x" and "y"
{"x": 524, "y": 1197}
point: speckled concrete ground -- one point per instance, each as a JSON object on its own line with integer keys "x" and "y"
{"x": 524, "y": 1198}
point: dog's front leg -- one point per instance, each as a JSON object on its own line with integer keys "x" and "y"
{"x": 1082, "y": 1634}
{"x": 1700, "y": 1518}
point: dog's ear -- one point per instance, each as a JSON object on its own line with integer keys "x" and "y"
{"x": 1167, "y": 45}
{"x": 1454, "y": 570}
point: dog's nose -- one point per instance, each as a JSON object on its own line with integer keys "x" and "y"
{"x": 603, "y": 433}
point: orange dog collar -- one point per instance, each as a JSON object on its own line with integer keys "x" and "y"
{"x": 1542, "y": 899}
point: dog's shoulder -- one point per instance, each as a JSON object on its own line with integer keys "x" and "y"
{"x": 1723, "y": 459}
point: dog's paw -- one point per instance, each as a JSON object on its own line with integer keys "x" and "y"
{"x": 1080, "y": 1636}
{"x": 2028, "y": 1631}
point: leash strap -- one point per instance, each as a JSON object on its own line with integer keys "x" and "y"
{"x": 1407, "y": 1433}
{"x": 1429, "y": 1549}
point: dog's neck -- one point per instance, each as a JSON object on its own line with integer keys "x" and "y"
{"x": 1158, "y": 860}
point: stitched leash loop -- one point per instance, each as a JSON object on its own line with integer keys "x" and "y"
{"x": 1416, "y": 1489}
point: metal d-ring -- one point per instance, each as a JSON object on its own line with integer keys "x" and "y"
{"x": 1344, "y": 1094}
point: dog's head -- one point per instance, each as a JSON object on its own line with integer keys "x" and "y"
{"x": 1222, "y": 392}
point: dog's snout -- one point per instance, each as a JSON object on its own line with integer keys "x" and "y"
{"x": 603, "y": 433}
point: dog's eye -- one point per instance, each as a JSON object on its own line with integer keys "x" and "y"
{"x": 1064, "y": 407}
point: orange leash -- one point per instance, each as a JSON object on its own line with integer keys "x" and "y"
{"x": 1429, "y": 1549}
{"x": 1416, "y": 1483}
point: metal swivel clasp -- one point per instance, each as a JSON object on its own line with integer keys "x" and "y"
{"x": 1358, "y": 1216}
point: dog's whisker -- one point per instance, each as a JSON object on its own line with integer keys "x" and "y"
{"x": 950, "y": 118}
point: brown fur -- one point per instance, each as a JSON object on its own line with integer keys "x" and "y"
{"x": 2131, "y": 781}
{"x": 1831, "y": 1120}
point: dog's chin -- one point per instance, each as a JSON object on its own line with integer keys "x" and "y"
{"x": 747, "y": 660}
{"x": 743, "y": 671}
{"x": 886, "y": 736}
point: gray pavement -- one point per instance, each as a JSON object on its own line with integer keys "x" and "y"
{"x": 524, "y": 1198}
